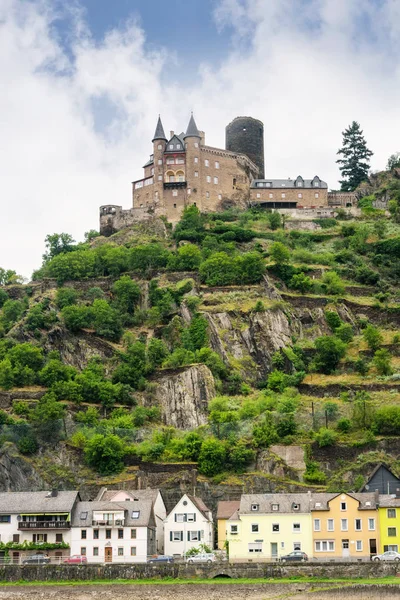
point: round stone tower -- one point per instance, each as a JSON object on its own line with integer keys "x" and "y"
{"x": 245, "y": 135}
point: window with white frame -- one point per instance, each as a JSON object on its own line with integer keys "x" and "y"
{"x": 255, "y": 547}
{"x": 196, "y": 160}
{"x": 216, "y": 164}
{"x": 317, "y": 524}
{"x": 180, "y": 161}
{"x": 96, "y": 551}
{"x": 371, "y": 524}
{"x": 296, "y": 528}
{"x": 331, "y": 525}
{"x": 207, "y": 194}
{"x": 175, "y": 192}
{"x": 178, "y": 146}
{"x": 120, "y": 551}
{"x": 283, "y": 195}
{"x": 196, "y": 173}
{"x": 194, "y": 536}
{"x": 159, "y": 147}
{"x": 359, "y": 545}
{"x": 316, "y": 195}
{"x": 358, "y": 525}
{"x": 133, "y": 550}
{"x": 258, "y": 195}
{"x": 159, "y": 178}
{"x": 343, "y": 506}
{"x": 299, "y": 195}
{"x": 176, "y": 536}
{"x": 152, "y": 171}
{"x": 234, "y": 529}
{"x": 191, "y": 517}
{"x": 275, "y": 527}
{"x": 275, "y": 507}
{"x": 196, "y": 144}
{"x": 219, "y": 196}
{"x": 254, "y": 528}
{"x": 206, "y": 163}
{"x": 255, "y": 507}
{"x": 271, "y": 195}
{"x": 324, "y": 546}
{"x": 316, "y": 183}
{"x": 180, "y": 517}
{"x": 391, "y": 513}
{"x": 296, "y": 546}
{"x": 171, "y": 146}
{"x": 189, "y": 191}
{"x": 216, "y": 180}
{"x": 208, "y": 179}
{"x": 344, "y": 525}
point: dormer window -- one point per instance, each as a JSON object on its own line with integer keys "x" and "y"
{"x": 316, "y": 183}
{"x": 255, "y": 507}
{"x": 171, "y": 146}
{"x": 299, "y": 184}
{"x": 275, "y": 507}
{"x": 83, "y": 515}
{"x": 135, "y": 514}
{"x": 295, "y": 506}
{"x": 178, "y": 146}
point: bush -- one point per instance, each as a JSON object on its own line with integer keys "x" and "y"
{"x": 301, "y": 282}
{"x": 76, "y": 317}
{"x": 382, "y": 360}
{"x": 66, "y": 296}
{"x": 344, "y": 332}
{"x": 105, "y": 453}
{"x": 325, "y": 437}
{"x": 373, "y": 337}
{"x": 279, "y": 253}
{"x": 361, "y": 366}
{"x": 27, "y": 445}
{"x": 329, "y": 352}
{"x": 386, "y": 420}
{"x": 187, "y": 258}
{"x": 212, "y": 457}
{"x": 126, "y": 294}
{"x": 333, "y": 319}
{"x": 332, "y": 284}
{"x": 343, "y": 425}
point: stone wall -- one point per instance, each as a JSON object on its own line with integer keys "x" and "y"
{"x": 90, "y": 572}
{"x": 113, "y": 218}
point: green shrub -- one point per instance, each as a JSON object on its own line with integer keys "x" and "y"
{"x": 382, "y": 362}
{"x": 386, "y": 420}
{"x": 105, "y": 453}
{"x": 325, "y": 437}
{"x": 333, "y": 319}
{"x": 329, "y": 351}
{"x": 343, "y": 425}
{"x": 212, "y": 457}
{"x": 344, "y": 332}
{"x": 66, "y": 296}
{"x": 332, "y": 284}
{"x": 373, "y": 337}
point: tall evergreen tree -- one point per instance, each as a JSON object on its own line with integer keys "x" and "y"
{"x": 354, "y": 158}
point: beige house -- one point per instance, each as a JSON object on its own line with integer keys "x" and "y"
{"x": 289, "y": 193}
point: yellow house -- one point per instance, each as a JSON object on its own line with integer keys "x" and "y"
{"x": 270, "y": 526}
{"x": 226, "y": 508}
{"x": 345, "y": 525}
{"x": 389, "y": 523}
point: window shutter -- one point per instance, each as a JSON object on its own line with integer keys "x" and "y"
{"x": 45, "y": 537}
{"x": 170, "y": 536}
{"x": 194, "y": 517}
{"x": 188, "y": 536}
{"x": 181, "y": 536}
{"x": 199, "y": 535}
{"x": 175, "y": 517}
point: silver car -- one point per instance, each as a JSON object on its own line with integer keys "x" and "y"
{"x": 201, "y": 558}
{"x": 389, "y": 555}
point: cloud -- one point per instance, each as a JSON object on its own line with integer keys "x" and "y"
{"x": 77, "y": 115}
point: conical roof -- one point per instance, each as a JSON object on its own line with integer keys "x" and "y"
{"x": 159, "y": 134}
{"x": 192, "y": 130}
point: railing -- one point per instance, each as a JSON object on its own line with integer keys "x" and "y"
{"x": 108, "y": 523}
{"x": 44, "y": 525}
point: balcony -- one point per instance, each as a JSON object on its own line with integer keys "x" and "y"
{"x": 168, "y": 185}
{"x": 109, "y": 523}
{"x": 25, "y": 525}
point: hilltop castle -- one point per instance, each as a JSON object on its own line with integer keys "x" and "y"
{"x": 184, "y": 171}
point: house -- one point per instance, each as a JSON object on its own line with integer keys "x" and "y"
{"x": 383, "y": 480}
{"x": 268, "y": 526}
{"x": 389, "y": 522}
{"x": 110, "y": 531}
{"x": 226, "y": 508}
{"x": 289, "y": 193}
{"x": 345, "y": 525}
{"x": 188, "y": 525}
{"x": 39, "y": 519}
{"x": 159, "y": 510}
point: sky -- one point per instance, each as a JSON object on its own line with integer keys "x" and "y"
{"x": 83, "y": 82}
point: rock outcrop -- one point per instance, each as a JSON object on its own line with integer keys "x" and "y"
{"x": 183, "y": 395}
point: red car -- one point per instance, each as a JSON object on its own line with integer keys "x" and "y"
{"x": 75, "y": 559}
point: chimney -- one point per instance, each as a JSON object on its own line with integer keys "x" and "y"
{"x": 202, "y": 138}
{"x": 54, "y": 493}
{"x": 171, "y": 134}
{"x": 397, "y": 493}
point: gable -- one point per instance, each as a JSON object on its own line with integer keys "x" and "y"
{"x": 383, "y": 480}
{"x": 175, "y": 144}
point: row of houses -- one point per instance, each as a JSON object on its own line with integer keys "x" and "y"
{"x": 118, "y": 526}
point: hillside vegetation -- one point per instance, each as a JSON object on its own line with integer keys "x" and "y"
{"x": 287, "y": 337}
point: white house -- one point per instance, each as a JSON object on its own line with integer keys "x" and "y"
{"x": 117, "y": 531}
{"x": 188, "y": 525}
{"x": 40, "y": 518}
{"x": 159, "y": 510}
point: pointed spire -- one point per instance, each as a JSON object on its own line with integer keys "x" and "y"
{"x": 192, "y": 130}
{"x": 159, "y": 134}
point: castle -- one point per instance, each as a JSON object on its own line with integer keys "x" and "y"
{"x": 184, "y": 171}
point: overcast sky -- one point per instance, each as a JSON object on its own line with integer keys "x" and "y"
{"x": 82, "y": 86}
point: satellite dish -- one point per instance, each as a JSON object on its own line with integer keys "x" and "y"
{"x": 366, "y": 487}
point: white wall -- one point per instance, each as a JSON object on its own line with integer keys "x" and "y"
{"x": 7, "y": 530}
{"x": 140, "y": 543}
{"x": 200, "y": 524}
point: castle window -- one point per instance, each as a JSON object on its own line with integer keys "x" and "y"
{"x": 180, "y": 161}
{"x": 207, "y": 163}
{"x": 189, "y": 191}
{"x": 208, "y": 179}
{"x": 207, "y": 194}
{"x": 299, "y": 184}
{"x": 258, "y": 195}
{"x": 194, "y": 204}
{"x": 180, "y": 176}
{"x": 152, "y": 171}
{"x": 160, "y": 178}
{"x": 299, "y": 195}
{"x": 316, "y": 195}
{"x": 159, "y": 147}
{"x": 171, "y": 146}
{"x": 174, "y": 192}
{"x": 196, "y": 173}
{"x": 178, "y": 146}
{"x": 316, "y": 183}
{"x": 174, "y": 205}
{"x": 170, "y": 161}
{"x": 196, "y": 144}
{"x": 234, "y": 182}
{"x": 271, "y": 195}
{"x": 196, "y": 160}
{"x": 283, "y": 195}
{"x": 217, "y": 165}
{"x": 216, "y": 180}
{"x": 219, "y": 196}
{"x": 159, "y": 162}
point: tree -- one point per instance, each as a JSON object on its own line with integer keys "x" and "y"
{"x": 126, "y": 293}
{"x": 66, "y": 296}
{"x": 8, "y": 277}
{"x": 106, "y": 320}
{"x": 354, "y": 161}
{"x": 195, "y": 336}
{"x": 187, "y": 258}
{"x": 301, "y": 282}
{"x": 47, "y": 418}
{"x": 58, "y": 243}
{"x": 329, "y": 352}
{"x": 212, "y": 457}
{"x": 76, "y": 317}
{"x": 386, "y": 420}
{"x": 275, "y": 220}
{"x": 105, "y": 453}
{"x": 332, "y": 283}
{"x": 373, "y": 337}
{"x": 279, "y": 253}
{"x": 382, "y": 360}
{"x": 393, "y": 161}
{"x": 345, "y": 332}
{"x": 157, "y": 351}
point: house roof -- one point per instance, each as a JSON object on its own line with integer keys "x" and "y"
{"x": 368, "y": 501}
{"x": 105, "y": 494}
{"x": 149, "y": 162}
{"x": 289, "y": 183}
{"x": 192, "y": 130}
{"x": 176, "y": 139}
{"x": 144, "y": 507}
{"x": 37, "y": 502}
{"x": 386, "y": 501}
{"x": 286, "y": 503}
{"x": 200, "y": 505}
{"x": 159, "y": 133}
{"x": 226, "y": 508}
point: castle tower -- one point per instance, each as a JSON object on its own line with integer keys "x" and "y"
{"x": 192, "y": 140}
{"x": 245, "y": 135}
{"x": 159, "y": 143}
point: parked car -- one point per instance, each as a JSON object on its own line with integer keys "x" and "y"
{"x": 201, "y": 558}
{"x": 36, "y": 559}
{"x": 296, "y": 555}
{"x": 389, "y": 555}
{"x": 162, "y": 558}
{"x": 75, "y": 559}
